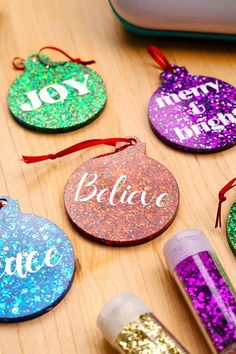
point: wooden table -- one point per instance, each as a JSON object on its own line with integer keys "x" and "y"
{"x": 89, "y": 29}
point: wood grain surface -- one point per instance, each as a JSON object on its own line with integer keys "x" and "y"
{"x": 90, "y": 30}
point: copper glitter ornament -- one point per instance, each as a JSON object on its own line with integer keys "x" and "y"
{"x": 55, "y": 97}
{"x": 120, "y": 199}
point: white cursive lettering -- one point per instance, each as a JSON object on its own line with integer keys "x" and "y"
{"x": 22, "y": 264}
{"x": 120, "y": 193}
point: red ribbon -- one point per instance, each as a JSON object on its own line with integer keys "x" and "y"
{"x": 73, "y": 60}
{"x": 159, "y": 57}
{"x": 18, "y": 63}
{"x": 3, "y": 202}
{"x": 80, "y": 146}
{"x": 222, "y": 198}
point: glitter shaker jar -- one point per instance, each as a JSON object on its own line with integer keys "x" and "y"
{"x": 130, "y": 327}
{"x": 205, "y": 286}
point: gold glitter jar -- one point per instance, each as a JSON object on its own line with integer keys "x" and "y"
{"x": 130, "y": 327}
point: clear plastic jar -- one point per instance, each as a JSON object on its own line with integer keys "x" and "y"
{"x": 130, "y": 327}
{"x": 205, "y": 286}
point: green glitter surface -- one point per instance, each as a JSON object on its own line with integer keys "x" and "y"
{"x": 231, "y": 228}
{"x": 73, "y": 112}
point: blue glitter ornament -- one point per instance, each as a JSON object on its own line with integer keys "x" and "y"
{"x": 37, "y": 263}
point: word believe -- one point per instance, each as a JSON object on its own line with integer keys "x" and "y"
{"x": 24, "y": 263}
{"x": 118, "y": 194}
{"x": 60, "y": 93}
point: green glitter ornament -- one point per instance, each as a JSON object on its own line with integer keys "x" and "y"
{"x": 231, "y": 228}
{"x": 56, "y": 97}
{"x": 231, "y": 220}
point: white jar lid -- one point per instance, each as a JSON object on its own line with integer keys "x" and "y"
{"x": 184, "y": 244}
{"x": 117, "y": 313}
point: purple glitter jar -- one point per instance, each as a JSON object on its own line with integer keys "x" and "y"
{"x": 193, "y": 113}
{"x": 205, "y": 286}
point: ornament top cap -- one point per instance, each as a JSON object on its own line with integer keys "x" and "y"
{"x": 9, "y": 207}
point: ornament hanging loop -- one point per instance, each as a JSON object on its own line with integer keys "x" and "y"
{"x": 73, "y": 60}
{"x": 159, "y": 58}
{"x": 3, "y": 202}
{"x": 81, "y": 146}
{"x": 222, "y": 198}
{"x": 18, "y": 63}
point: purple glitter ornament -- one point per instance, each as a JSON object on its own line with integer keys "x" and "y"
{"x": 205, "y": 286}
{"x": 192, "y": 113}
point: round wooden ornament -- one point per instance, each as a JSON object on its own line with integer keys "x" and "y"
{"x": 37, "y": 263}
{"x": 56, "y": 97}
{"x": 122, "y": 199}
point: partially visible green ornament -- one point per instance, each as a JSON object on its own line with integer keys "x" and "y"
{"x": 56, "y": 97}
{"x": 231, "y": 220}
{"x": 231, "y": 228}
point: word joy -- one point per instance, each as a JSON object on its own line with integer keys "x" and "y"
{"x": 58, "y": 93}
{"x": 119, "y": 194}
{"x": 24, "y": 263}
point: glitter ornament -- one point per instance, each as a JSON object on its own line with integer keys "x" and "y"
{"x": 55, "y": 97}
{"x": 130, "y": 327}
{"x": 192, "y": 113}
{"x": 120, "y": 199}
{"x": 231, "y": 220}
{"x": 205, "y": 286}
{"x": 37, "y": 264}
